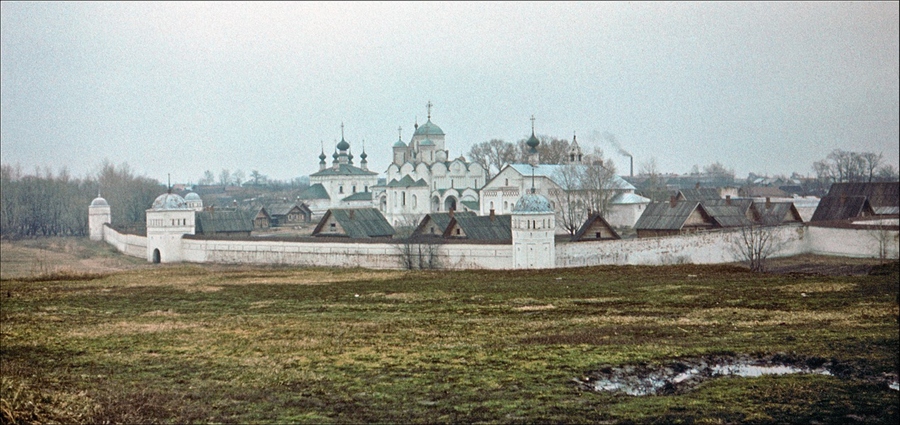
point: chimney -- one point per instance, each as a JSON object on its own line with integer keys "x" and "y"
{"x": 768, "y": 203}
{"x": 351, "y": 214}
{"x": 728, "y": 200}
{"x": 451, "y": 212}
{"x": 492, "y": 214}
{"x": 234, "y": 202}
{"x": 673, "y": 201}
{"x": 697, "y": 185}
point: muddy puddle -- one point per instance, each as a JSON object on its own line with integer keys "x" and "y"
{"x": 682, "y": 375}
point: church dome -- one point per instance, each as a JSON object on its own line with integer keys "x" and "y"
{"x": 533, "y": 142}
{"x": 99, "y": 202}
{"x": 343, "y": 145}
{"x": 426, "y": 142}
{"x": 399, "y": 144}
{"x": 532, "y": 203}
{"x": 169, "y": 201}
{"x": 322, "y": 156}
{"x": 192, "y": 197}
{"x": 429, "y": 129}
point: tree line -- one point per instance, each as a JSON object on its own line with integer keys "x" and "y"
{"x": 44, "y": 203}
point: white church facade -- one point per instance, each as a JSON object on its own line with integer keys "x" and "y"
{"x": 423, "y": 179}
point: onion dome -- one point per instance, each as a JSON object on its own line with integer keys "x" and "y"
{"x": 322, "y": 157}
{"x": 169, "y": 201}
{"x": 533, "y": 142}
{"x": 363, "y": 156}
{"x": 399, "y": 144}
{"x": 99, "y": 202}
{"x": 532, "y": 203}
{"x": 335, "y": 155}
{"x": 343, "y": 145}
{"x": 429, "y": 129}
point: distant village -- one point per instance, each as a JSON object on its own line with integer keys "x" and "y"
{"x": 429, "y": 195}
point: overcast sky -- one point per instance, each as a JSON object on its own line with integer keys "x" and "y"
{"x": 182, "y": 88}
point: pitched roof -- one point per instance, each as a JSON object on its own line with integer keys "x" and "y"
{"x": 762, "y": 192}
{"x": 407, "y": 181}
{"x": 281, "y": 208}
{"x": 439, "y": 219}
{"x": 841, "y": 208}
{"x": 472, "y": 205}
{"x": 344, "y": 170}
{"x": 359, "y": 196}
{"x": 484, "y": 228}
{"x": 592, "y": 221}
{"x": 699, "y": 194}
{"x": 880, "y": 194}
{"x": 218, "y": 221}
{"x": 356, "y": 223}
{"x": 727, "y": 215}
{"x": 665, "y": 216}
{"x": 776, "y": 213}
{"x": 316, "y": 191}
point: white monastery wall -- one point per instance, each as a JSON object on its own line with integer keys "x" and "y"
{"x": 131, "y": 245}
{"x": 860, "y": 243}
{"x": 334, "y": 254}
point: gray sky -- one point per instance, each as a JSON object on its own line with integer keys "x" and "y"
{"x": 182, "y": 88}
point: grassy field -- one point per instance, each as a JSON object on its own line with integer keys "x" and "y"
{"x": 228, "y": 344}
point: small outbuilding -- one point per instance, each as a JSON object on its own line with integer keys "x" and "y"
{"x": 355, "y": 223}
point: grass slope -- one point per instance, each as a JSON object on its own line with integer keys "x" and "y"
{"x": 221, "y": 344}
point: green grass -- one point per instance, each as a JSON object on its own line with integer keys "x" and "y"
{"x": 219, "y": 344}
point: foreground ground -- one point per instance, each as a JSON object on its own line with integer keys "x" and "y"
{"x": 128, "y": 343}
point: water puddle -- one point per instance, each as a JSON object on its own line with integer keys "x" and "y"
{"x": 683, "y": 375}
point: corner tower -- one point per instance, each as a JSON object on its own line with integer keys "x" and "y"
{"x": 98, "y": 215}
{"x": 533, "y": 228}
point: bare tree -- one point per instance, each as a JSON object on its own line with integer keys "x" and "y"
{"x": 570, "y": 205}
{"x": 599, "y": 182}
{"x": 419, "y": 253}
{"x": 493, "y": 155}
{"x": 885, "y": 237}
{"x": 756, "y": 244}
{"x": 224, "y": 177}
{"x": 870, "y": 163}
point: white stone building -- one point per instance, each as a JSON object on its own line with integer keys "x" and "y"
{"x": 342, "y": 185}
{"x": 168, "y": 219}
{"x": 533, "y": 228}
{"x": 98, "y": 215}
{"x": 422, "y": 178}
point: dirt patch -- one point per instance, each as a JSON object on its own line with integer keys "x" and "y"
{"x": 823, "y": 265}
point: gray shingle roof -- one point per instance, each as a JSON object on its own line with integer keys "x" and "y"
{"x": 879, "y": 194}
{"x": 777, "y": 213}
{"x": 727, "y": 215}
{"x": 217, "y": 222}
{"x": 281, "y": 208}
{"x": 357, "y": 223}
{"x": 701, "y": 194}
{"x": 440, "y": 221}
{"x": 841, "y": 208}
{"x": 483, "y": 228}
{"x": 316, "y": 191}
{"x": 664, "y": 216}
{"x": 590, "y": 222}
{"x": 359, "y": 196}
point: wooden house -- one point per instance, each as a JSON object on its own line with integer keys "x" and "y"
{"x": 775, "y": 213}
{"x": 258, "y": 216}
{"x": 287, "y": 213}
{"x": 480, "y": 228}
{"x": 673, "y": 218}
{"x": 435, "y": 224}
{"x": 595, "y": 228}
{"x": 355, "y": 223}
{"x": 883, "y": 198}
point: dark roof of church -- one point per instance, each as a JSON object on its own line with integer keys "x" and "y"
{"x": 359, "y": 196}
{"x": 343, "y": 170}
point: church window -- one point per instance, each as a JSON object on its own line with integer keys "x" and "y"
{"x": 451, "y": 183}
{"x": 492, "y": 204}
{"x": 341, "y": 189}
{"x": 507, "y": 182}
{"x": 354, "y": 188}
{"x": 505, "y": 205}
{"x": 366, "y": 188}
{"x": 415, "y": 201}
{"x": 403, "y": 199}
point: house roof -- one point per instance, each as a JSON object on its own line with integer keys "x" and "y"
{"x": 743, "y": 204}
{"x": 628, "y": 199}
{"x": 441, "y": 220}
{"x": 281, "y": 208}
{"x": 218, "y": 221}
{"x": 776, "y": 213}
{"x": 699, "y": 194}
{"x": 880, "y": 194}
{"x": 484, "y": 227}
{"x": 664, "y": 216}
{"x": 316, "y": 191}
{"x": 727, "y": 215}
{"x": 593, "y": 219}
{"x": 841, "y": 208}
{"x": 254, "y": 211}
{"x": 763, "y": 191}
{"x": 343, "y": 170}
{"x": 357, "y": 223}
{"x": 472, "y": 205}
